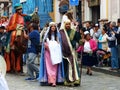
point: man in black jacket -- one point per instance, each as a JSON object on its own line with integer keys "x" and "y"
{"x": 117, "y": 35}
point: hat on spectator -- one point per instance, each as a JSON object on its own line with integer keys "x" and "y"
{"x": 96, "y": 25}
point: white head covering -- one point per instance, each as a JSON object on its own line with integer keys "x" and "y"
{"x": 86, "y": 32}
{"x": 67, "y": 21}
{"x": 96, "y": 25}
{"x": 50, "y": 24}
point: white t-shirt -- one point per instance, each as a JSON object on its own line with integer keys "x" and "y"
{"x": 87, "y": 47}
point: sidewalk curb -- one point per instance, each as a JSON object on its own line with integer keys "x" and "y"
{"x": 97, "y": 69}
{"x": 101, "y": 70}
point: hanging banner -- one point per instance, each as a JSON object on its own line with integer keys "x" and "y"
{"x": 22, "y": 1}
{"x": 74, "y": 2}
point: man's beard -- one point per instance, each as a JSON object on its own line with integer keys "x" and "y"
{"x": 67, "y": 28}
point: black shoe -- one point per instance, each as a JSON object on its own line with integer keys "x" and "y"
{"x": 37, "y": 75}
{"x": 90, "y": 74}
{"x": 87, "y": 72}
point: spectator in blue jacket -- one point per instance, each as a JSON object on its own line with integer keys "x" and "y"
{"x": 33, "y": 40}
{"x": 113, "y": 46}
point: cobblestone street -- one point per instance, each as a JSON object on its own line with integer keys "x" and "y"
{"x": 98, "y": 81}
{"x": 60, "y": 37}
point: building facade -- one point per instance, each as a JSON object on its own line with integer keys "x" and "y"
{"x": 94, "y": 10}
{"x": 76, "y": 10}
{"x": 5, "y": 6}
{"x": 45, "y": 9}
{"x": 87, "y": 10}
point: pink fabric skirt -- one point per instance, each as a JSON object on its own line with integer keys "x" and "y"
{"x": 51, "y": 69}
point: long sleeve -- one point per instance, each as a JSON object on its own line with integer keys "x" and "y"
{"x": 112, "y": 38}
{"x": 93, "y": 45}
{"x": 97, "y": 34}
{"x": 117, "y": 35}
{"x": 104, "y": 39}
{"x": 12, "y": 23}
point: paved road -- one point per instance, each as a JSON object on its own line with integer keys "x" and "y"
{"x": 98, "y": 81}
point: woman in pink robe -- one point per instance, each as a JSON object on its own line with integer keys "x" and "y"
{"x": 51, "y": 62}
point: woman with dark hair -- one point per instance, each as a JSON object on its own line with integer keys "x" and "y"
{"x": 81, "y": 38}
{"x": 102, "y": 40}
{"x": 51, "y": 32}
{"x": 51, "y": 70}
{"x": 82, "y": 30}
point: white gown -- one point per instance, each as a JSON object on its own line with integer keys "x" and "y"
{"x": 3, "y": 83}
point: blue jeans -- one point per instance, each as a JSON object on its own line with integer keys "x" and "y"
{"x": 31, "y": 67}
{"x": 24, "y": 57}
{"x": 114, "y": 58}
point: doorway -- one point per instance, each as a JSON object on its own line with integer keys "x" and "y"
{"x": 95, "y": 13}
